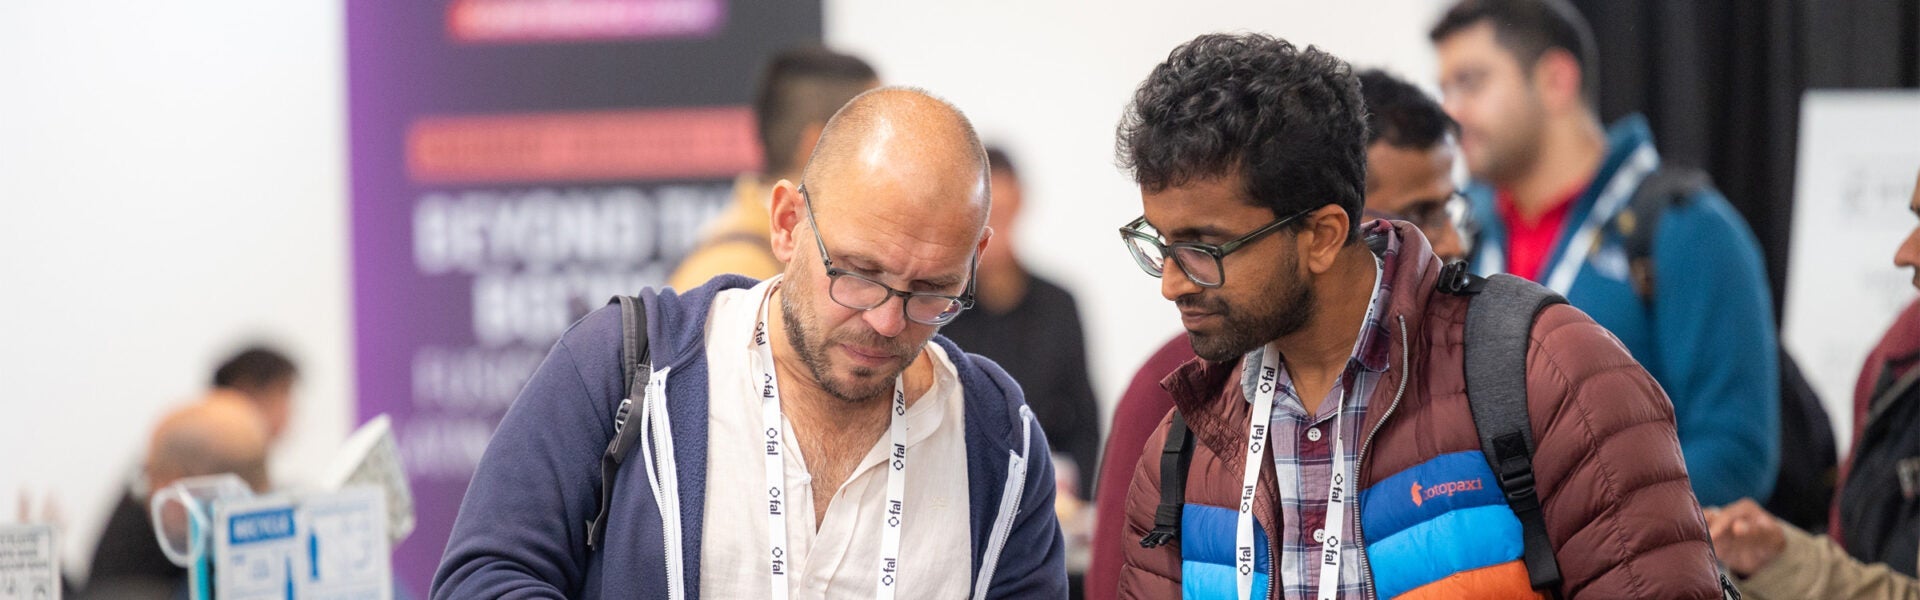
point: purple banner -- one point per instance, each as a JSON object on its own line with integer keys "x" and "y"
{"x": 515, "y": 163}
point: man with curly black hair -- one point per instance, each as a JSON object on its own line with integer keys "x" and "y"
{"x": 1333, "y": 453}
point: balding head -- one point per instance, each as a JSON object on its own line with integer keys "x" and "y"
{"x": 223, "y": 432}
{"x": 899, "y": 196}
{"x": 904, "y": 133}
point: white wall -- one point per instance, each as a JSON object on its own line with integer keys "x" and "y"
{"x": 172, "y": 182}
{"x": 1049, "y": 80}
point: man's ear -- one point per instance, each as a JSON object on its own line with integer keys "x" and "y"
{"x": 785, "y": 212}
{"x": 1325, "y": 233}
{"x": 986, "y": 235}
{"x": 1557, "y": 80}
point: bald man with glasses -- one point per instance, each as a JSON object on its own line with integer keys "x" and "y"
{"x": 805, "y": 436}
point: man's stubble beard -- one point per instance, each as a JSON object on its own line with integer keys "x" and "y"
{"x": 810, "y": 345}
{"x": 1291, "y": 299}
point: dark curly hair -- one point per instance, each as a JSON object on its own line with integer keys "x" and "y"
{"x": 1290, "y": 122}
{"x": 1401, "y": 115}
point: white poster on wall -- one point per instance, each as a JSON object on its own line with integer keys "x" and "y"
{"x": 1859, "y": 153}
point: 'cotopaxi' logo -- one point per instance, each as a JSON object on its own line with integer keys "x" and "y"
{"x": 1422, "y": 495}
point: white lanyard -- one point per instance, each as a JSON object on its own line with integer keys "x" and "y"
{"x": 1612, "y": 200}
{"x": 1330, "y": 556}
{"x": 776, "y": 470}
{"x": 1335, "y": 524}
{"x": 1262, "y": 419}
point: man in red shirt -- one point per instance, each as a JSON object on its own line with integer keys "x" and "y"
{"x": 1651, "y": 251}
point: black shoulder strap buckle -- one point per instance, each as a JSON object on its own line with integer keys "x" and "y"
{"x": 1499, "y": 328}
{"x": 1458, "y": 280}
{"x": 1174, "y": 459}
{"x": 636, "y": 365}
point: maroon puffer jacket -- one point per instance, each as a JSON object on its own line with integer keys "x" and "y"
{"x": 1623, "y": 521}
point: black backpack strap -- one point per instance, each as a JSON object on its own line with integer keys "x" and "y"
{"x": 1174, "y": 458}
{"x": 1888, "y": 391}
{"x": 636, "y": 366}
{"x": 1499, "y": 327}
{"x": 1636, "y": 224}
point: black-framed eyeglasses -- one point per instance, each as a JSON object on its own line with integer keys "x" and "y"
{"x": 863, "y": 293}
{"x": 1201, "y": 262}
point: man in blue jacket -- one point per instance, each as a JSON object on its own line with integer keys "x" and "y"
{"x": 808, "y": 435}
{"x": 1554, "y": 204}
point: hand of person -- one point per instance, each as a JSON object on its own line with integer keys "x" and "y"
{"x": 1745, "y": 536}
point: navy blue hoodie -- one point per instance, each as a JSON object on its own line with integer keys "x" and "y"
{"x": 522, "y": 527}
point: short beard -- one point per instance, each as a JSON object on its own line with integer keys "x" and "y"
{"x": 1291, "y": 299}
{"x": 811, "y": 346}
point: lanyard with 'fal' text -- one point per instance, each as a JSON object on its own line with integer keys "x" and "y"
{"x": 1262, "y": 418}
{"x": 776, "y": 469}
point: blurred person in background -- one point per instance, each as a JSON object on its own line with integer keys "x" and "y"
{"x": 224, "y": 432}
{"x": 1410, "y": 158}
{"x": 1410, "y": 161}
{"x": 1874, "y": 547}
{"x": 799, "y": 89}
{"x": 1032, "y": 328}
{"x": 1557, "y": 205}
{"x": 266, "y": 376}
{"x": 257, "y": 374}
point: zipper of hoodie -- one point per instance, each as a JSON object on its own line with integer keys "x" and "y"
{"x": 662, "y": 478}
{"x": 1010, "y": 499}
{"x": 1359, "y": 460}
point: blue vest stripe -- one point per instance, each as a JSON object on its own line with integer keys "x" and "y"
{"x": 1455, "y": 542}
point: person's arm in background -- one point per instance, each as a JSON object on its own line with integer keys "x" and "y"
{"x": 1776, "y": 560}
{"x": 1715, "y": 349}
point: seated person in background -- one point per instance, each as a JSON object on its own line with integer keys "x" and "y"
{"x": 1874, "y": 522}
{"x": 257, "y": 374}
{"x": 1410, "y": 157}
{"x": 798, "y": 91}
{"x": 222, "y": 433}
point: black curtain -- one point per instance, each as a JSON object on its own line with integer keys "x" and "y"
{"x": 1721, "y": 81}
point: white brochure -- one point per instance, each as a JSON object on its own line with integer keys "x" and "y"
{"x": 29, "y": 563}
